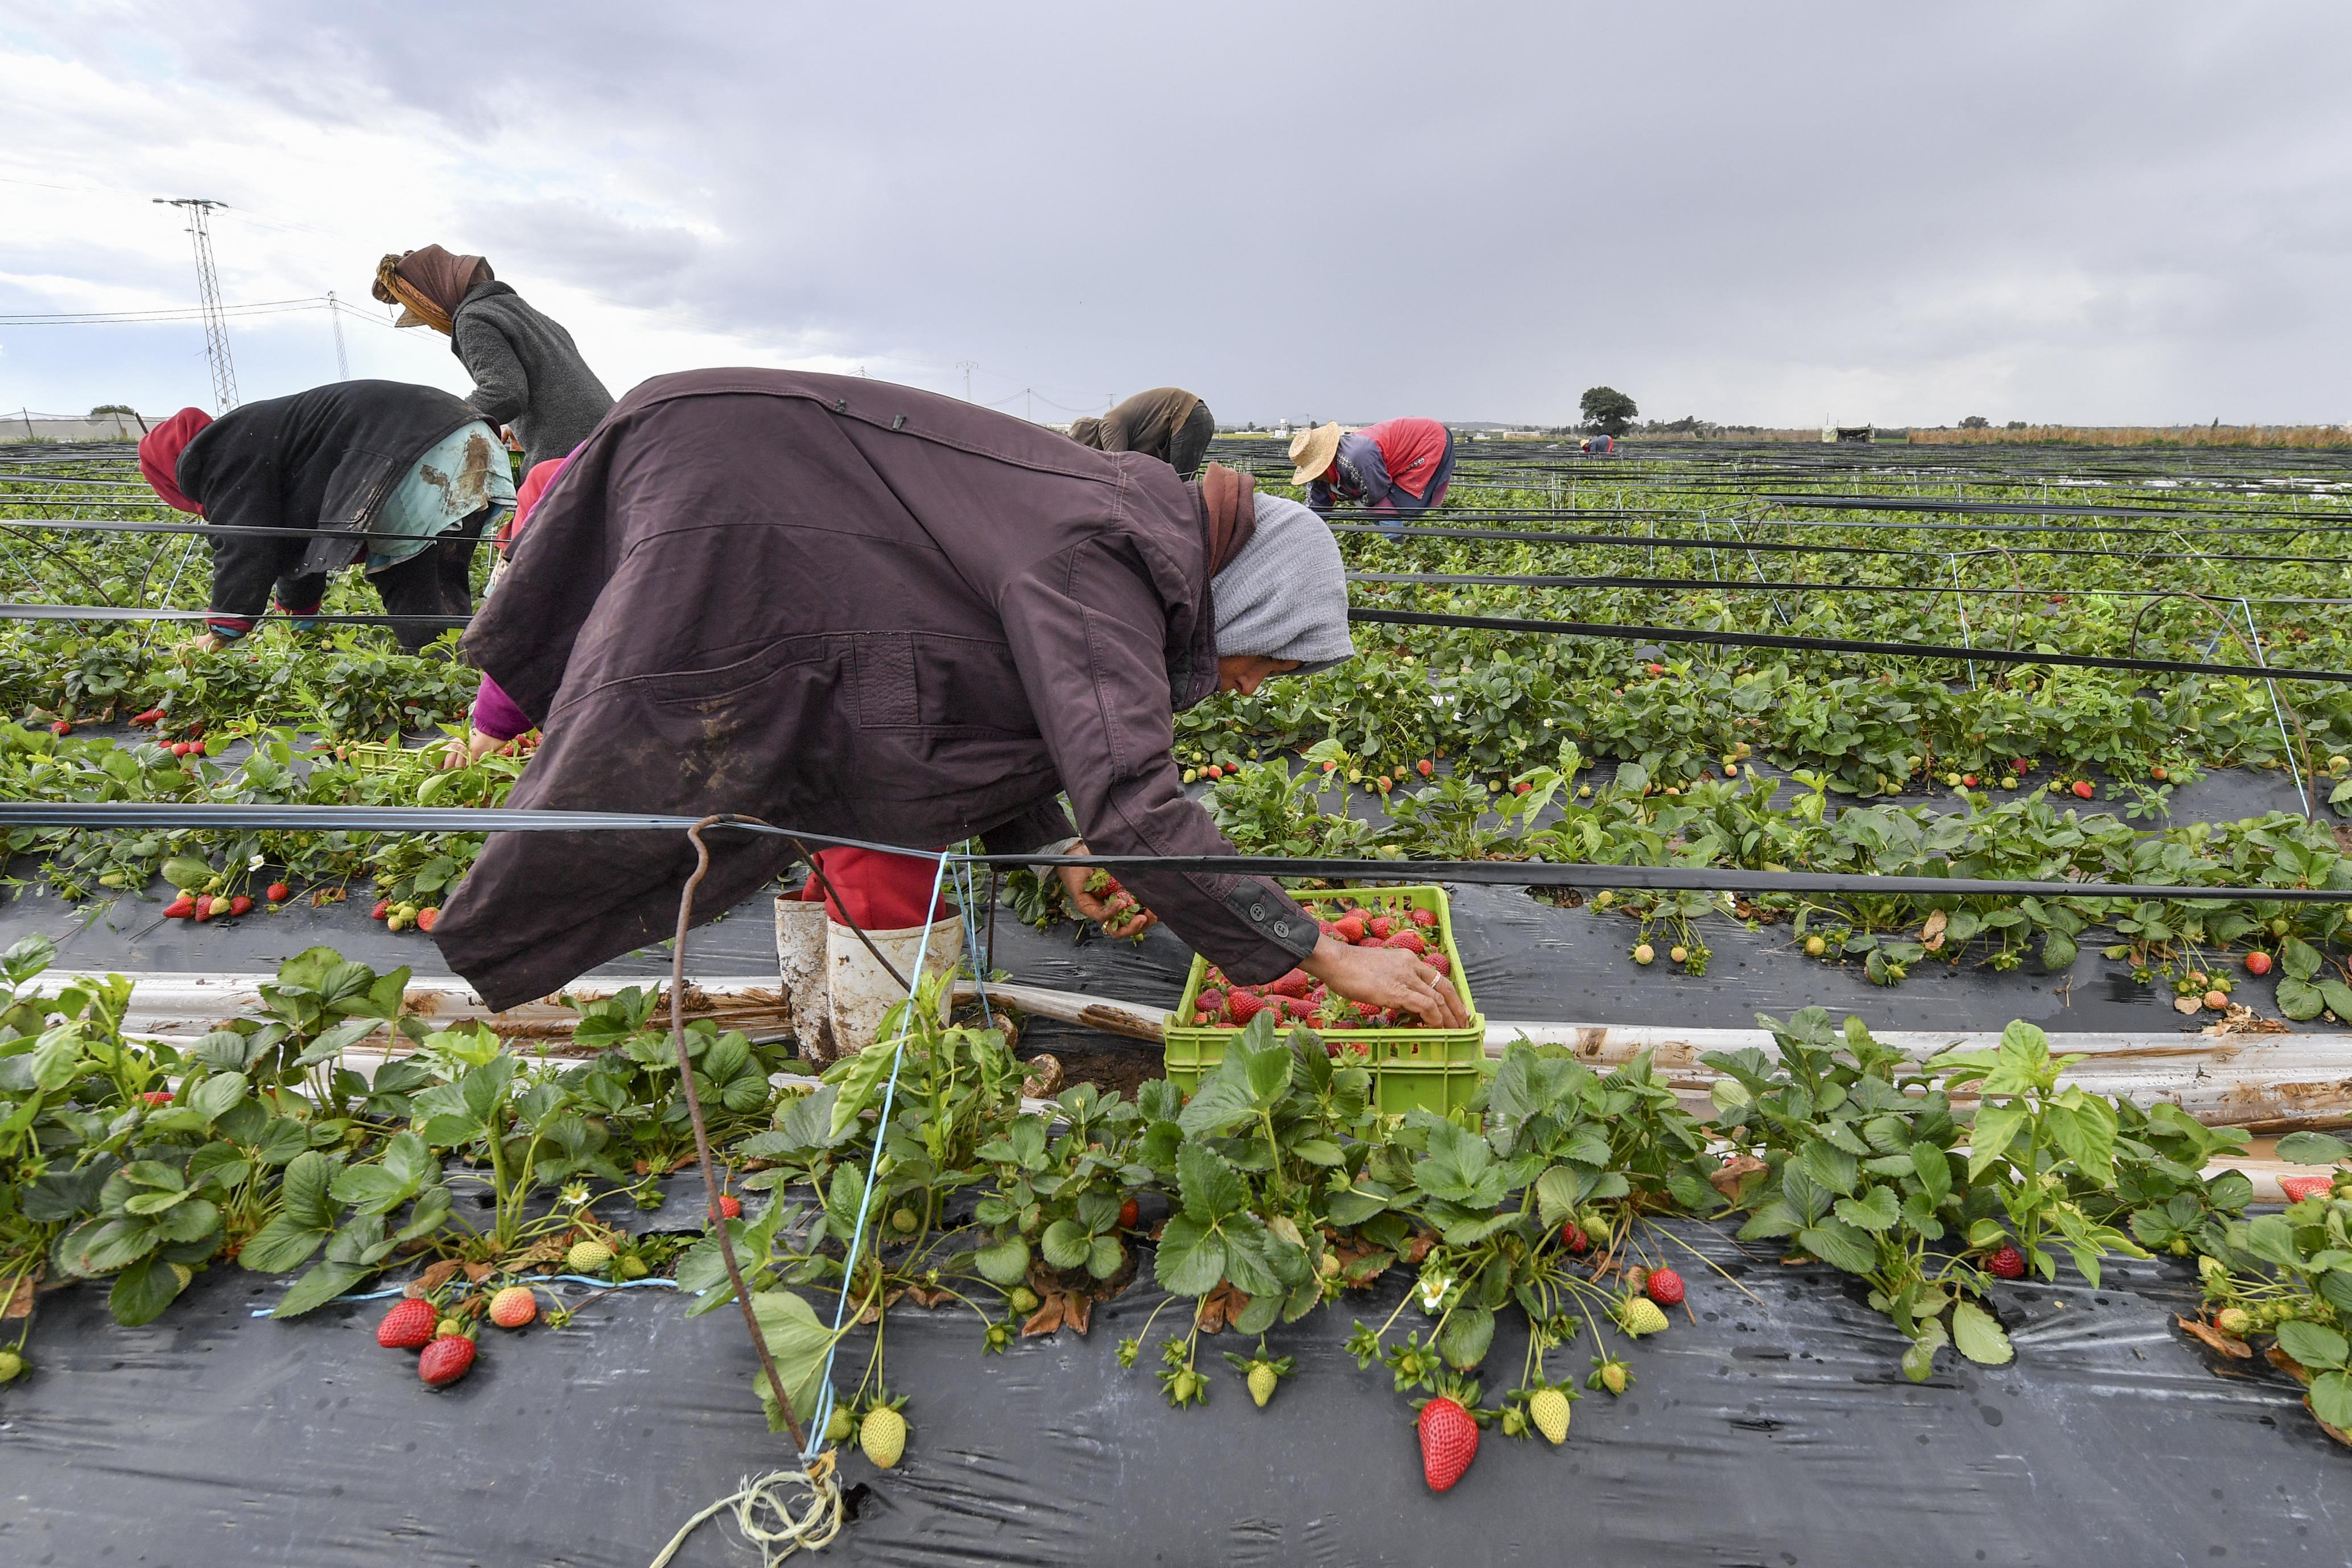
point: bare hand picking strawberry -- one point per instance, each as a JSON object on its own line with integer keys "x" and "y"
{"x": 1112, "y": 907}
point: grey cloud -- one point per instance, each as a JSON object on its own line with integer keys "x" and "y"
{"x": 2120, "y": 211}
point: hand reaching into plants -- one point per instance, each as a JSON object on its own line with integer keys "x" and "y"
{"x": 1387, "y": 977}
{"x": 1117, "y": 918}
{"x": 466, "y": 752}
{"x": 207, "y": 643}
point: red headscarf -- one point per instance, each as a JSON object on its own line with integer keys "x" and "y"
{"x": 159, "y": 455}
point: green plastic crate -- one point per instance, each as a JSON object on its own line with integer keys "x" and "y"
{"x": 1434, "y": 1069}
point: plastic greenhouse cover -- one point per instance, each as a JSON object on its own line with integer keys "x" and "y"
{"x": 1774, "y": 1430}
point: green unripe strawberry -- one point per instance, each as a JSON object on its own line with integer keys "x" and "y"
{"x": 1547, "y": 1407}
{"x": 12, "y": 1367}
{"x": 587, "y": 1257}
{"x": 883, "y": 1437}
{"x": 1639, "y": 1316}
{"x": 2234, "y": 1322}
{"x": 1023, "y": 1300}
{"x": 840, "y": 1427}
{"x": 1262, "y": 1379}
{"x": 1610, "y": 1373}
{"x": 903, "y": 1221}
{"x": 632, "y": 1268}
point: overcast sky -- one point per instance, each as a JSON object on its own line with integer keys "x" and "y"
{"x": 2098, "y": 214}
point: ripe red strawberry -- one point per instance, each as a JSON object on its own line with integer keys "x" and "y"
{"x": 1379, "y": 926}
{"x": 445, "y": 1361}
{"x": 1968, "y": 781}
{"x": 1128, "y": 1214}
{"x": 1520, "y": 788}
{"x": 1572, "y": 1236}
{"x": 1209, "y": 1000}
{"x": 1348, "y": 929}
{"x": 1426, "y": 767}
{"x": 408, "y": 1326}
{"x": 2023, "y": 764}
{"x": 1657, "y": 669}
{"x": 1298, "y": 1007}
{"x": 426, "y": 916}
{"x": 2082, "y": 788}
{"x": 207, "y": 906}
{"x": 240, "y": 905}
{"x": 152, "y": 716}
{"x": 1242, "y": 1006}
{"x": 1438, "y": 960}
{"x": 181, "y": 908}
{"x": 1449, "y": 1441}
{"x": 277, "y": 892}
{"x": 164, "y": 1097}
{"x": 2298, "y": 1188}
{"x": 1297, "y": 983}
{"x": 1665, "y": 1287}
{"x": 61, "y": 727}
{"x": 1424, "y": 919}
{"x": 730, "y": 1206}
{"x": 2258, "y": 964}
{"x": 1212, "y": 771}
{"x": 1410, "y": 940}
{"x": 2008, "y": 1263}
{"x": 1326, "y": 926}
{"x": 382, "y": 906}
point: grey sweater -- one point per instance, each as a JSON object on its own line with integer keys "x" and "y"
{"x": 527, "y": 373}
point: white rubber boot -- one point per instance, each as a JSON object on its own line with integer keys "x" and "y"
{"x": 800, "y": 976}
{"x": 863, "y": 991}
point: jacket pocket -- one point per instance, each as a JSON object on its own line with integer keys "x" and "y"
{"x": 882, "y": 678}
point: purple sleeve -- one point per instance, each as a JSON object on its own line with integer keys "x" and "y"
{"x": 496, "y": 715}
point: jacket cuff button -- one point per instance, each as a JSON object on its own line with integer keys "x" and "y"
{"x": 1257, "y": 911}
{"x": 1282, "y": 928}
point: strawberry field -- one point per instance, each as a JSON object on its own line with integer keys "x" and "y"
{"x": 981, "y": 1301}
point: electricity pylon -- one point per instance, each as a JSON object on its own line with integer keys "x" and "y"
{"x": 208, "y": 300}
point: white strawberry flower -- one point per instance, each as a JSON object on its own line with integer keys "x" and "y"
{"x": 1434, "y": 1288}
{"x": 575, "y": 1194}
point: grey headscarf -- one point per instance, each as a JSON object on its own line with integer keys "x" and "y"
{"x": 1286, "y": 595}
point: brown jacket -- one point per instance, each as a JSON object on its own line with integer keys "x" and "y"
{"x": 1146, "y": 423}
{"x": 852, "y": 608}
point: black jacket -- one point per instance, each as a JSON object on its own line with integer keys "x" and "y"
{"x": 527, "y": 373}
{"x": 323, "y": 459}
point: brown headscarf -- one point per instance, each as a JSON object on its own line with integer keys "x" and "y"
{"x": 1228, "y": 499}
{"x": 430, "y": 283}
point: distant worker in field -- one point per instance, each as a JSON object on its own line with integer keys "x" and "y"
{"x": 868, "y": 612}
{"x": 1399, "y": 466}
{"x": 404, "y": 479}
{"x": 1167, "y": 422}
{"x": 527, "y": 371}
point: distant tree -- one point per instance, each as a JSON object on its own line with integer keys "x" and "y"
{"x": 1607, "y": 410}
{"x": 105, "y": 408}
{"x": 2015, "y": 424}
{"x": 1976, "y": 422}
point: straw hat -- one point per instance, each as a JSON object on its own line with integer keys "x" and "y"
{"x": 1311, "y": 452}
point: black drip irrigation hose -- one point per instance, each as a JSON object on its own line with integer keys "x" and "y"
{"x": 115, "y": 612}
{"x": 1494, "y": 873}
{"x": 1768, "y": 585}
{"x": 1786, "y": 547}
{"x": 1838, "y": 645}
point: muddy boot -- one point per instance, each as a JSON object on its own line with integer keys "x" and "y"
{"x": 863, "y": 991}
{"x": 800, "y": 964}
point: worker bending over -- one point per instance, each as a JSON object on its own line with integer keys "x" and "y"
{"x": 1399, "y": 466}
{"x": 1167, "y": 422}
{"x": 868, "y": 612}
{"x": 403, "y": 480}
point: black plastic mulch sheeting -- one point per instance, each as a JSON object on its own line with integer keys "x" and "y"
{"x": 1777, "y": 1433}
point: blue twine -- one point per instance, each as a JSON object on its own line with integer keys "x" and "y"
{"x": 823, "y": 1415}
